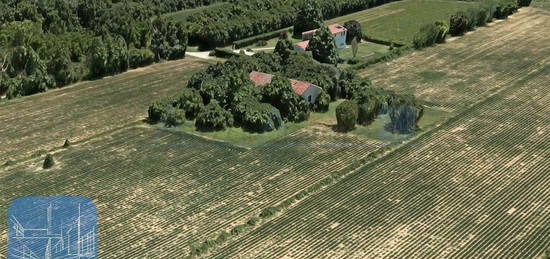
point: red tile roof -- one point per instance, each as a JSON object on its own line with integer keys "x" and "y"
{"x": 299, "y": 87}
{"x": 333, "y": 28}
{"x": 259, "y": 78}
{"x": 303, "y": 44}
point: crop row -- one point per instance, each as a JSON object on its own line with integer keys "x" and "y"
{"x": 457, "y": 75}
{"x": 44, "y": 121}
{"x": 451, "y": 193}
{"x": 145, "y": 180}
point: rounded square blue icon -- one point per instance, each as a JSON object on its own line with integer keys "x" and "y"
{"x": 52, "y": 227}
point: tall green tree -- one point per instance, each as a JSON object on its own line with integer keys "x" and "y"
{"x": 323, "y": 46}
{"x": 280, "y": 94}
{"x": 309, "y": 17}
{"x": 284, "y": 49}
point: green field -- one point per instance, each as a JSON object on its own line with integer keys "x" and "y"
{"x": 542, "y": 4}
{"x": 453, "y": 75}
{"x": 399, "y": 21}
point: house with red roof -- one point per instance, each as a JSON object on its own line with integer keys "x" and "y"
{"x": 338, "y": 31}
{"x": 308, "y": 91}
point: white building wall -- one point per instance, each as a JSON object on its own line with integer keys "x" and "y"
{"x": 340, "y": 39}
{"x": 311, "y": 94}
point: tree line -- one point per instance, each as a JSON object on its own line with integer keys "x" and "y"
{"x": 218, "y": 26}
{"x": 48, "y": 44}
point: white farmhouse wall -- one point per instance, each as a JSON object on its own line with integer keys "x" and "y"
{"x": 298, "y": 49}
{"x": 311, "y": 94}
{"x": 340, "y": 39}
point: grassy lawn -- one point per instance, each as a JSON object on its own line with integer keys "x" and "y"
{"x": 399, "y": 21}
{"x": 375, "y": 131}
{"x": 366, "y": 50}
{"x": 239, "y": 137}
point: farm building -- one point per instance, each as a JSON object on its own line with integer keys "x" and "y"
{"x": 340, "y": 33}
{"x": 308, "y": 91}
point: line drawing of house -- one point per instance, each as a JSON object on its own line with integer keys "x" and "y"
{"x": 72, "y": 240}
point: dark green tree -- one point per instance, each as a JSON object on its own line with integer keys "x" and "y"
{"x": 48, "y": 162}
{"x": 213, "y": 118}
{"x": 173, "y": 117}
{"x": 458, "y": 24}
{"x": 323, "y": 46}
{"x": 284, "y": 49}
{"x": 346, "y": 115}
{"x": 309, "y": 17}
{"x": 322, "y": 102}
{"x": 191, "y": 102}
{"x": 280, "y": 94}
{"x": 355, "y": 31}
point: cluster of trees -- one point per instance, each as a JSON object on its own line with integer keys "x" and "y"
{"x": 224, "y": 96}
{"x": 244, "y": 18}
{"x": 47, "y": 44}
{"x": 365, "y": 103}
{"x": 464, "y": 21}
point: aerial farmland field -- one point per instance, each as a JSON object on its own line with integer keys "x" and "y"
{"x": 475, "y": 187}
{"x": 400, "y": 21}
{"x": 40, "y": 123}
{"x": 454, "y": 74}
{"x": 470, "y": 180}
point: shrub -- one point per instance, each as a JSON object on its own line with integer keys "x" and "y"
{"x": 261, "y": 43}
{"x": 268, "y": 212}
{"x": 346, "y": 115}
{"x": 355, "y": 31}
{"x": 213, "y": 118}
{"x": 442, "y": 30}
{"x": 238, "y": 230}
{"x": 426, "y": 37}
{"x": 458, "y": 24}
{"x": 483, "y": 16}
{"x": 156, "y": 110}
{"x": 141, "y": 57}
{"x": 191, "y": 102}
{"x": 48, "y": 162}
{"x": 173, "y": 117}
{"x": 66, "y": 144}
{"x": 471, "y": 16}
{"x": 253, "y": 221}
{"x": 353, "y": 61}
{"x": 322, "y": 102}
{"x": 222, "y": 237}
